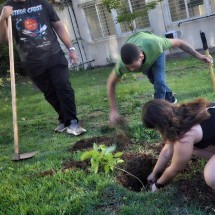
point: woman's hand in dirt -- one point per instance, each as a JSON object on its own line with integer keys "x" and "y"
{"x": 152, "y": 178}
{"x": 154, "y": 188}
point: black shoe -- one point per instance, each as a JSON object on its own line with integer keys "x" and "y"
{"x": 170, "y": 98}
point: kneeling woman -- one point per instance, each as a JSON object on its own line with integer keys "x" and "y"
{"x": 187, "y": 129}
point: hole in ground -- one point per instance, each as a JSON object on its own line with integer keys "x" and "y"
{"x": 139, "y": 165}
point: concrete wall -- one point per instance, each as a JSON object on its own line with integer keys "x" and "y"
{"x": 108, "y": 48}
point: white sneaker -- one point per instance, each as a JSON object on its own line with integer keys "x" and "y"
{"x": 175, "y": 101}
{"x": 60, "y": 128}
{"x": 74, "y": 128}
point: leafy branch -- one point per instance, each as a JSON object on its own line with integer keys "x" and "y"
{"x": 131, "y": 16}
{"x": 111, "y": 4}
{"x": 124, "y": 14}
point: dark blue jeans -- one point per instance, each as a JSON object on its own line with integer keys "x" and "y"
{"x": 156, "y": 75}
{"x": 56, "y": 87}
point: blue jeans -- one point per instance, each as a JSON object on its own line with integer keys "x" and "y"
{"x": 156, "y": 75}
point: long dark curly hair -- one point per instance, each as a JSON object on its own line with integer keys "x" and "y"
{"x": 173, "y": 120}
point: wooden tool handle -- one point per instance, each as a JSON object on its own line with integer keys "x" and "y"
{"x": 211, "y": 70}
{"x": 13, "y": 86}
{"x": 205, "y": 47}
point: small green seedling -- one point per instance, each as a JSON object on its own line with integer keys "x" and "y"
{"x": 102, "y": 158}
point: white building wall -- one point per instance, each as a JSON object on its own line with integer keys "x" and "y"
{"x": 108, "y": 48}
{"x": 191, "y": 31}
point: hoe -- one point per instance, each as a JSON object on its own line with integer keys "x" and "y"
{"x": 17, "y": 156}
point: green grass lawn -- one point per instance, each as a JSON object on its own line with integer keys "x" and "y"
{"x": 26, "y": 189}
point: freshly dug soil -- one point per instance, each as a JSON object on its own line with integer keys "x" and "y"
{"x": 120, "y": 140}
{"x": 193, "y": 189}
{"x": 139, "y": 165}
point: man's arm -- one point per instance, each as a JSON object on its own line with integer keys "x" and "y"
{"x": 111, "y": 91}
{"x": 64, "y": 36}
{"x": 6, "y": 12}
{"x": 189, "y": 49}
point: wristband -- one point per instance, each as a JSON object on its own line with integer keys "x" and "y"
{"x": 71, "y": 49}
{"x": 159, "y": 185}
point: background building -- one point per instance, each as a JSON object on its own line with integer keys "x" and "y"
{"x": 98, "y": 38}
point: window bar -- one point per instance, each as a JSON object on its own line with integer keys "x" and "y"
{"x": 116, "y": 25}
{"x": 187, "y": 10}
{"x": 105, "y": 20}
{"x": 130, "y": 6}
{"x": 100, "y": 22}
{"x": 169, "y": 15}
{"x": 207, "y": 7}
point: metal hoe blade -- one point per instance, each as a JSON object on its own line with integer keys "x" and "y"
{"x": 24, "y": 156}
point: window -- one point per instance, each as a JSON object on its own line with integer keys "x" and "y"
{"x": 212, "y": 5}
{"x": 188, "y": 9}
{"x": 141, "y": 22}
{"x": 102, "y": 24}
{"x": 134, "y": 6}
{"x": 100, "y": 21}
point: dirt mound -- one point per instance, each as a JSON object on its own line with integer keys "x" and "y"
{"x": 120, "y": 139}
{"x": 196, "y": 189}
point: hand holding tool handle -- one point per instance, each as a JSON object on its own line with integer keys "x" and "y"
{"x": 207, "y": 54}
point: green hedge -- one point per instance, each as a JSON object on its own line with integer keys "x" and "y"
{"x": 5, "y": 63}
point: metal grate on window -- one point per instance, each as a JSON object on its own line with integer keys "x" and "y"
{"x": 106, "y": 20}
{"x": 100, "y": 21}
{"x": 186, "y": 9}
{"x": 141, "y": 22}
{"x": 134, "y": 6}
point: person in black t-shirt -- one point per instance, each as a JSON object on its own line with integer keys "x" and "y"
{"x": 187, "y": 129}
{"x": 35, "y": 25}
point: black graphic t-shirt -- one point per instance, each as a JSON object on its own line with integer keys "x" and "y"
{"x": 34, "y": 36}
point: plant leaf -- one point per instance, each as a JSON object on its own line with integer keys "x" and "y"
{"x": 95, "y": 147}
{"x": 86, "y": 155}
{"x": 111, "y": 149}
{"x": 94, "y": 166}
{"x": 107, "y": 169}
{"x": 120, "y": 161}
{"x": 118, "y": 154}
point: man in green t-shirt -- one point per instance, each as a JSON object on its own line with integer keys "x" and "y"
{"x": 144, "y": 52}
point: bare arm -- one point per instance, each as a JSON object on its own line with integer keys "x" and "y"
{"x": 64, "y": 36}
{"x": 189, "y": 49}
{"x": 111, "y": 91}
{"x": 6, "y": 12}
{"x": 182, "y": 154}
{"x": 163, "y": 159}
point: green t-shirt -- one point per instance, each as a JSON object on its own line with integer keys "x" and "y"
{"x": 152, "y": 46}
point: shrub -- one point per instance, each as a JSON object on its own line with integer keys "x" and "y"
{"x": 102, "y": 157}
{"x": 5, "y": 63}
